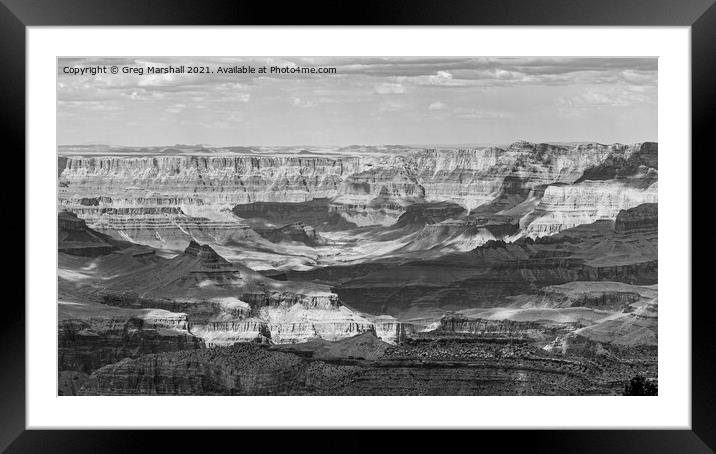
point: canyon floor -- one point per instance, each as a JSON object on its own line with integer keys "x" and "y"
{"x": 528, "y": 269}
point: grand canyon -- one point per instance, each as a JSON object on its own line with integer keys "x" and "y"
{"x": 514, "y": 269}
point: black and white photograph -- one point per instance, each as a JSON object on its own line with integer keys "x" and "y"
{"x": 357, "y": 226}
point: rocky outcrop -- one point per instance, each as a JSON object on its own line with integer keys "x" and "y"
{"x": 566, "y": 206}
{"x": 100, "y": 335}
{"x": 297, "y": 232}
{"x": 624, "y": 178}
{"x": 165, "y": 229}
{"x": 219, "y": 333}
{"x": 642, "y": 218}
{"x": 75, "y": 238}
{"x": 625, "y": 163}
{"x": 245, "y": 369}
{"x": 421, "y": 214}
{"x": 614, "y": 296}
{"x": 199, "y": 273}
{"x": 378, "y": 195}
{"x": 457, "y": 323}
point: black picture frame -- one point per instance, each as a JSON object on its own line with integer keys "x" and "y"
{"x": 16, "y": 15}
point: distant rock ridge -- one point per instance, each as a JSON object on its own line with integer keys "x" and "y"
{"x": 640, "y": 218}
{"x": 553, "y": 186}
{"x": 429, "y": 213}
{"x": 75, "y": 238}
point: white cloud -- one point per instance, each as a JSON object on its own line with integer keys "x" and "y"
{"x": 618, "y": 97}
{"x": 437, "y": 105}
{"x": 479, "y": 114}
{"x": 301, "y": 102}
{"x": 389, "y": 88}
{"x": 175, "y": 108}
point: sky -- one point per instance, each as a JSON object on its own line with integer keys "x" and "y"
{"x": 368, "y": 101}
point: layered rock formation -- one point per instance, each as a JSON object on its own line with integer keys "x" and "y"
{"x": 641, "y": 218}
{"x": 605, "y": 295}
{"x": 244, "y": 370}
{"x": 92, "y": 335}
{"x": 525, "y": 269}
{"x": 566, "y": 206}
{"x": 433, "y": 365}
{"x": 165, "y": 200}
{"x": 493, "y": 272}
{"x": 162, "y": 200}
{"x": 75, "y": 238}
{"x": 458, "y": 323}
{"x": 222, "y": 303}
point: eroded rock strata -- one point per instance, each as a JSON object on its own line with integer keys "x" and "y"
{"x": 527, "y": 269}
{"x": 491, "y": 273}
{"x": 432, "y": 365}
{"x": 160, "y": 200}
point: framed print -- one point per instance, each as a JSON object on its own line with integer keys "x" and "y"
{"x": 405, "y": 219}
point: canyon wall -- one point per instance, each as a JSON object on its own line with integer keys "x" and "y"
{"x": 159, "y": 199}
{"x": 89, "y": 341}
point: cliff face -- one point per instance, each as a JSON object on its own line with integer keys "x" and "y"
{"x": 614, "y": 296}
{"x": 490, "y": 328}
{"x": 641, "y": 218}
{"x": 75, "y": 238}
{"x": 195, "y": 180}
{"x": 91, "y": 336}
{"x": 564, "y": 207}
{"x": 436, "y": 365}
{"x": 164, "y": 201}
{"x": 160, "y": 200}
{"x": 244, "y": 370}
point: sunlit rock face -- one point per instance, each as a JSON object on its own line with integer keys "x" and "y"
{"x": 566, "y": 206}
{"x": 223, "y": 303}
{"x": 488, "y": 328}
{"x": 162, "y": 200}
{"x": 378, "y": 195}
{"x": 282, "y": 324}
{"x": 207, "y": 180}
{"x": 626, "y": 177}
{"x": 475, "y": 177}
